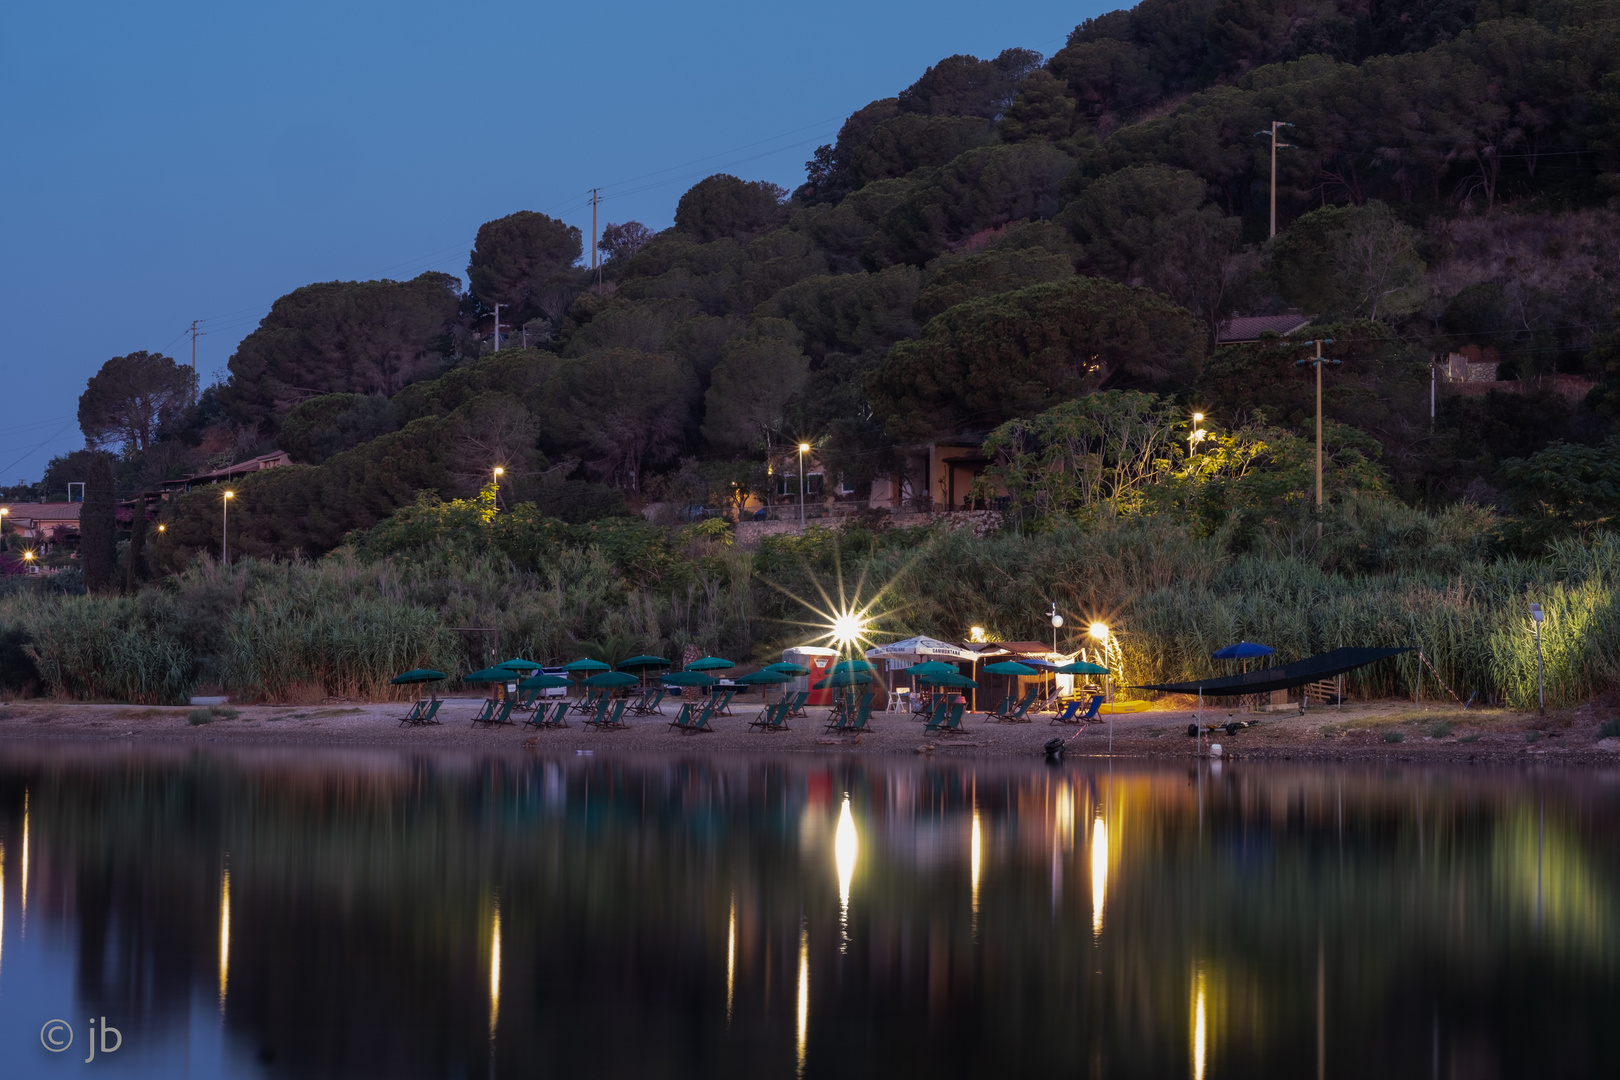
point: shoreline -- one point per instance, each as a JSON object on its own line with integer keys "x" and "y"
{"x": 1390, "y": 730}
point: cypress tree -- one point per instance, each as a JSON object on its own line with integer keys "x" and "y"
{"x": 135, "y": 568}
{"x": 98, "y": 551}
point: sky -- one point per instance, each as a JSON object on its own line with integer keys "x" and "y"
{"x": 166, "y": 162}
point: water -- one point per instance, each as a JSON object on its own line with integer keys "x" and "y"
{"x": 378, "y": 914}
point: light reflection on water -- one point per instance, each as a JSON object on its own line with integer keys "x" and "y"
{"x": 381, "y": 914}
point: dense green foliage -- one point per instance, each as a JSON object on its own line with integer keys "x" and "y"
{"x": 1032, "y": 254}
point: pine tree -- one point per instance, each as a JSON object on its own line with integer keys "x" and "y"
{"x": 97, "y": 549}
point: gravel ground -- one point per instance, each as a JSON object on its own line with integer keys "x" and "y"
{"x": 1373, "y": 730}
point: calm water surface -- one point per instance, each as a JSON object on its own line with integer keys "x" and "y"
{"x": 378, "y": 914}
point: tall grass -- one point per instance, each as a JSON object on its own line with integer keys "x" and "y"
{"x": 1382, "y": 576}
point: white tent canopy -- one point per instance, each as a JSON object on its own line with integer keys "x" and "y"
{"x": 917, "y": 649}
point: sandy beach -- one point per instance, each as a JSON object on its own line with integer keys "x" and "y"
{"x": 1393, "y": 729}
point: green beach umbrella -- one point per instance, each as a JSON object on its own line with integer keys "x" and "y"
{"x": 638, "y": 663}
{"x": 852, "y": 665}
{"x": 611, "y": 679}
{"x": 953, "y": 679}
{"x": 489, "y": 674}
{"x": 710, "y": 663}
{"x": 1080, "y": 667}
{"x": 766, "y": 677}
{"x": 418, "y": 675}
{"x": 788, "y": 667}
{"x": 931, "y": 667}
{"x": 543, "y": 682}
{"x": 688, "y": 678}
{"x": 519, "y": 665}
{"x": 586, "y": 665}
{"x": 1010, "y": 667}
{"x": 843, "y": 678}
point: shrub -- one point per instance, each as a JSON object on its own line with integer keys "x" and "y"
{"x": 198, "y": 717}
{"x": 1440, "y": 730}
{"x": 1394, "y": 737}
{"x": 1610, "y": 729}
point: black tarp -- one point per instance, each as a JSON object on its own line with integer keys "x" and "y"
{"x": 1309, "y": 670}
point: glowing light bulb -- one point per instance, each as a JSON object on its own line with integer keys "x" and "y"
{"x": 1099, "y": 631}
{"x": 847, "y": 628}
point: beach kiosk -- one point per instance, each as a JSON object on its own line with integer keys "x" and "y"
{"x": 820, "y": 662}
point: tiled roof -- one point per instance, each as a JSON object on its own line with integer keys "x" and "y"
{"x": 1250, "y": 327}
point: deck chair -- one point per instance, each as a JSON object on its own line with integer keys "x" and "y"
{"x": 432, "y": 712}
{"x": 414, "y": 717}
{"x": 499, "y": 712}
{"x": 609, "y": 719}
{"x": 1091, "y": 710}
{"x": 773, "y": 718}
{"x": 1066, "y": 715}
{"x": 953, "y": 721}
{"x": 701, "y": 722}
{"x": 1019, "y": 713}
{"x": 937, "y": 717}
{"x": 543, "y": 714}
{"x": 863, "y": 713}
{"x": 641, "y": 699}
{"x": 590, "y": 702}
{"x": 650, "y": 702}
{"x": 1002, "y": 708}
{"x": 526, "y": 699}
{"x": 690, "y": 717}
{"x": 485, "y": 711}
{"x": 724, "y": 707}
{"x": 559, "y": 715}
{"x": 796, "y": 705}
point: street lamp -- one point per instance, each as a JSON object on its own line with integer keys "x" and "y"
{"x": 224, "y": 527}
{"x": 804, "y": 448}
{"x": 1197, "y": 434}
{"x": 499, "y": 472}
{"x": 1537, "y": 616}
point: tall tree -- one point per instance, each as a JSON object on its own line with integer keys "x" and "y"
{"x": 341, "y": 337}
{"x": 513, "y": 257}
{"x": 131, "y": 396}
{"x": 135, "y": 568}
{"x": 724, "y": 206}
{"x": 98, "y": 552}
{"x": 1349, "y": 260}
{"x": 623, "y": 241}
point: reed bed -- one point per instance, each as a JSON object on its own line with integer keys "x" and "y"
{"x": 1391, "y": 577}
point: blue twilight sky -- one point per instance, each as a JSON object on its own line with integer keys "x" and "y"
{"x": 171, "y": 161}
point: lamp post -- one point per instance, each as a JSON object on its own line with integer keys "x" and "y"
{"x": 1197, "y": 434}
{"x": 1099, "y": 633}
{"x": 225, "y": 527}
{"x": 1536, "y": 616}
{"x": 1057, "y": 623}
{"x": 1275, "y": 146}
{"x": 4, "y": 510}
{"x": 499, "y": 472}
{"x": 804, "y": 448}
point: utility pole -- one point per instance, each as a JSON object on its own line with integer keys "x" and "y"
{"x": 1317, "y": 361}
{"x": 497, "y": 328}
{"x": 194, "y": 361}
{"x": 596, "y": 263}
{"x": 1275, "y": 146}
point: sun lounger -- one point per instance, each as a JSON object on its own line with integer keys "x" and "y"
{"x": 724, "y": 707}
{"x": 548, "y": 715}
{"x": 497, "y": 712}
{"x": 701, "y": 722}
{"x": 796, "y": 705}
{"x": 609, "y": 720}
{"x": 1002, "y": 708}
{"x": 526, "y": 699}
{"x": 773, "y": 718}
{"x": 423, "y": 712}
{"x": 937, "y": 717}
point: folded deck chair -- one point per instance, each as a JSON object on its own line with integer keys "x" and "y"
{"x": 609, "y": 720}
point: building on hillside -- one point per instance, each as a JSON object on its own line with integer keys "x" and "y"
{"x": 43, "y": 522}
{"x": 1241, "y": 329}
{"x": 229, "y": 472}
{"x": 939, "y": 475}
